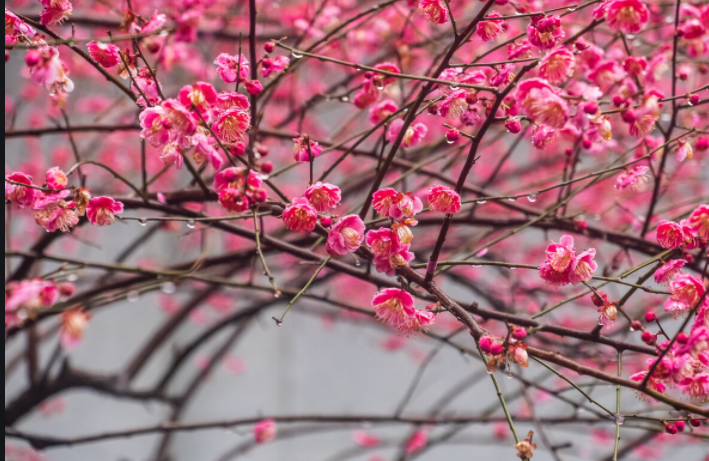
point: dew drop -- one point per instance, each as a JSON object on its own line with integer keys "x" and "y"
{"x": 619, "y": 419}
{"x": 168, "y": 288}
{"x": 512, "y": 199}
{"x": 296, "y": 55}
{"x": 143, "y": 222}
{"x": 629, "y": 36}
{"x": 278, "y": 321}
{"x": 509, "y": 375}
{"x": 689, "y": 103}
{"x": 454, "y": 86}
{"x": 571, "y": 9}
{"x": 481, "y": 202}
{"x": 449, "y": 141}
{"x": 191, "y": 224}
{"x": 512, "y": 268}
{"x": 380, "y": 88}
{"x": 533, "y": 197}
{"x": 344, "y": 99}
{"x": 358, "y": 264}
{"x": 477, "y": 265}
{"x": 277, "y": 294}
{"x": 406, "y": 109}
{"x": 489, "y": 372}
{"x": 72, "y": 277}
{"x": 133, "y": 296}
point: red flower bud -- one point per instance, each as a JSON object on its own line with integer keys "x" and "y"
{"x": 629, "y": 116}
{"x": 269, "y": 47}
{"x": 650, "y": 316}
{"x": 682, "y": 338}
{"x": 618, "y": 100}
{"x": 253, "y": 87}
{"x": 648, "y": 338}
{"x": 433, "y": 109}
{"x": 519, "y": 333}
{"x": 590, "y": 107}
{"x": 670, "y": 428}
{"x": 635, "y": 325}
{"x": 695, "y": 422}
{"x": 237, "y": 150}
{"x": 266, "y": 167}
{"x": 325, "y": 221}
{"x": 485, "y": 343}
{"x": 496, "y": 349}
{"x": 513, "y": 125}
{"x": 680, "y": 425}
{"x": 452, "y": 136}
{"x": 702, "y": 144}
{"x": 599, "y": 301}
{"x": 32, "y": 58}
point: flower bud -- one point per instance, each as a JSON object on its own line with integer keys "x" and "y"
{"x": 325, "y": 221}
{"x": 253, "y": 87}
{"x": 452, "y": 136}
{"x": 599, "y": 301}
{"x": 32, "y": 58}
{"x": 269, "y": 47}
{"x": 261, "y": 149}
{"x": 682, "y": 338}
{"x": 589, "y": 107}
{"x": 670, "y": 428}
{"x": 680, "y": 425}
{"x": 635, "y": 325}
{"x": 629, "y": 116}
{"x": 648, "y": 338}
{"x": 471, "y": 97}
{"x": 513, "y": 125}
{"x": 485, "y": 343}
{"x": 266, "y": 167}
{"x": 702, "y": 144}
{"x": 695, "y": 422}
{"x": 618, "y": 100}
{"x": 433, "y": 109}
{"x": 519, "y": 333}
{"x": 650, "y": 316}
{"x": 496, "y": 349}
{"x": 237, "y": 150}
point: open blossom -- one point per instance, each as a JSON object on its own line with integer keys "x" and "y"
{"x": 384, "y": 242}
{"x": 265, "y": 431}
{"x": 645, "y": 117}
{"x": 50, "y": 71}
{"x": 53, "y": 213}
{"x": 454, "y": 105}
{"x": 389, "y": 265}
{"x": 102, "y": 210}
{"x": 205, "y": 150}
{"x": 563, "y": 266}
{"x": 607, "y": 74}
{"x": 300, "y": 216}
{"x": 444, "y": 199}
{"x": 74, "y": 322}
{"x": 667, "y": 272}
{"x": 489, "y": 29}
{"x": 56, "y": 178}
{"x": 323, "y": 196}
{"x": 545, "y": 32}
{"x": 227, "y": 67}
{"x": 635, "y": 65}
{"x": 412, "y": 137}
{"x": 627, "y": 16}
{"x": 541, "y": 103}
{"x": 231, "y": 125}
{"x": 697, "y": 386}
{"x": 434, "y": 10}
{"x": 381, "y": 111}
{"x": 172, "y": 155}
{"x": 543, "y": 136}
{"x": 201, "y": 97}
{"x": 274, "y": 66}
{"x": 396, "y": 205}
{"x": 55, "y": 11}
{"x": 686, "y": 293}
{"x": 346, "y": 236}
{"x": 683, "y": 150}
{"x": 698, "y": 222}
{"x": 653, "y": 383}
{"x": 302, "y": 153}
{"x": 670, "y": 235}
{"x": 518, "y": 354}
{"x": 557, "y": 65}
{"x": 19, "y": 195}
{"x": 23, "y": 299}
{"x": 525, "y": 447}
{"x": 232, "y": 100}
{"x": 396, "y": 307}
{"x": 106, "y": 54}
{"x": 632, "y": 180}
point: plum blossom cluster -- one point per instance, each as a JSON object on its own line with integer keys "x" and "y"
{"x": 57, "y": 207}
{"x": 688, "y": 234}
{"x": 502, "y": 352}
{"x": 564, "y": 266}
{"x": 396, "y": 307}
